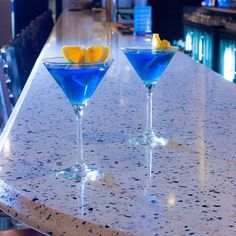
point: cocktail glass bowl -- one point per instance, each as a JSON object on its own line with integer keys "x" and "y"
{"x": 78, "y": 81}
{"x": 149, "y": 64}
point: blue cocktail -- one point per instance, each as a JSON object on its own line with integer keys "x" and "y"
{"x": 78, "y": 82}
{"x": 149, "y": 64}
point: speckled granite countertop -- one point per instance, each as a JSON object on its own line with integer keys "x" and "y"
{"x": 185, "y": 188}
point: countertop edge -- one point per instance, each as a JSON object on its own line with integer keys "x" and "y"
{"x": 20, "y": 207}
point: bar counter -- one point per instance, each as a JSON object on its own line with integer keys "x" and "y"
{"x": 185, "y": 188}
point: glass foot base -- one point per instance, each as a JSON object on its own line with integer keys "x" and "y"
{"x": 152, "y": 141}
{"x": 80, "y": 173}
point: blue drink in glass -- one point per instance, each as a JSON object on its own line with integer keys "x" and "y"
{"x": 149, "y": 63}
{"x": 78, "y": 82}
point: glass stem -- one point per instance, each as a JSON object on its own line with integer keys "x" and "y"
{"x": 80, "y": 153}
{"x": 149, "y": 130}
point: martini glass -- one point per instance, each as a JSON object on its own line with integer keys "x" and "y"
{"x": 149, "y": 63}
{"x": 78, "y": 82}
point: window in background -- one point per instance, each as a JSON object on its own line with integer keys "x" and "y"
{"x": 227, "y": 62}
{"x": 199, "y": 43}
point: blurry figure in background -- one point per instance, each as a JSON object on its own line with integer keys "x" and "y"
{"x": 167, "y": 17}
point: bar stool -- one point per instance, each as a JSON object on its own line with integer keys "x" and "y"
{"x": 43, "y": 24}
{"x": 20, "y": 55}
{"x": 24, "y": 55}
{"x": 48, "y": 22}
{"x": 11, "y": 73}
{"x": 29, "y": 43}
{"x": 34, "y": 29}
{"x": 5, "y": 105}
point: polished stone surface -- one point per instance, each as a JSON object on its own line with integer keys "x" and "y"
{"x": 185, "y": 188}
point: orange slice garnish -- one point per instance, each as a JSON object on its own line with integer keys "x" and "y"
{"x": 165, "y": 44}
{"x": 157, "y": 43}
{"x": 74, "y": 54}
{"x": 155, "y": 40}
{"x": 96, "y": 54}
{"x": 106, "y": 53}
{"x": 78, "y": 54}
{"x": 93, "y": 54}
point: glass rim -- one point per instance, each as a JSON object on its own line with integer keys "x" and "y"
{"x": 149, "y": 48}
{"x": 53, "y": 61}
